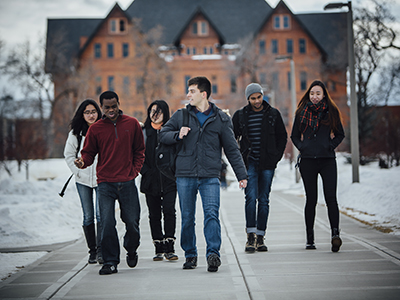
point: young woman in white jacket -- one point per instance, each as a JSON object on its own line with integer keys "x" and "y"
{"x": 87, "y": 114}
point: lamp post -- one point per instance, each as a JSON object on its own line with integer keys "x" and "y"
{"x": 293, "y": 103}
{"x": 355, "y": 152}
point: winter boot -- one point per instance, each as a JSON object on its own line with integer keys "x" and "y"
{"x": 336, "y": 240}
{"x": 90, "y": 236}
{"x": 310, "y": 241}
{"x": 169, "y": 249}
{"x": 251, "y": 243}
{"x": 99, "y": 256}
{"x": 260, "y": 246}
{"x": 159, "y": 249}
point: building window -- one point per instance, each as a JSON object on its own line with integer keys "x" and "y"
{"x": 194, "y": 28}
{"x": 289, "y": 46}
{"x": 126, "y": 85}
{"x": 97, "y": 50}
{"x": 139, "y": 85}
{"x": 187, "y": 77}
{"x": 303, "y": 81}
{"x": 262, "y": 46}
{"x": 125, "y": 50}
{"x": 204, "y": 28}
{"x": 205, "y": 50}
{"x": 263, "y": 78}
{"x": 214, "y": 85}
{"x": 274, "y": 46}
{"x": 286, "y": 24}
{"x": 275, "y": 81}
{"x": 98, "y": 85}
{"x": 302, "y": 45}
{"x": 289, "y": 82}
{"x": 110, "y": 50}
{"x": 277, "y": 22}
{"x": 233, "y": 84}
{"x": 211, "y": 50}
{"x": 117, "y": 25}
{"x": 188, "y": 51}
{"x": 194, "y": 51}
{"x": 111, "y": 83}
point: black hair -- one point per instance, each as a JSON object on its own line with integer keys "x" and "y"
{"x": 78, "y": 123}
{"x": 203, "y": 84}
{"x": 108, "y": 95}
{"x": 162, "y": 107}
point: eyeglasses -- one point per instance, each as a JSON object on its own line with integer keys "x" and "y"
{"x": 90, "y": 112}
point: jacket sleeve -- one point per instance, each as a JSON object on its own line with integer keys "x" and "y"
{"x": 236, "y": 124}
{"x": 280, "y": 135}
{"x": 232, "y": 151}
{"x": 89, "y": 150}
{"x": 296, "y": 134}
{"x": 138, "y": 148}
{"x": 339, "y": 136}
{"x": 170, "y": 131}
{"x": 69, "y": 152}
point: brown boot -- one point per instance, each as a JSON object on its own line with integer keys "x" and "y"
{"x": 251, "y": 243}
{"x": 260, "y": 246}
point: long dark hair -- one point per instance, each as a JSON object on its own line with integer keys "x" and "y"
{"x": 334, "y": 117}
{"x": 78, "y": 123}
{"x": 162, "y": 107}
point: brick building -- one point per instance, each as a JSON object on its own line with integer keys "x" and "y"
{"x": 151, "y": 49}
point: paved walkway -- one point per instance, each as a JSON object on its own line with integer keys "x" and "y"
{"x": 367, "y": 266}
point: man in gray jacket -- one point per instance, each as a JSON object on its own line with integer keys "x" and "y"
{"x": 198, "y": 167}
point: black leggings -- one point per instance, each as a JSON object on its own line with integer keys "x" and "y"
{"x": 162, "y": 208}
{"x": 309, "y": 170}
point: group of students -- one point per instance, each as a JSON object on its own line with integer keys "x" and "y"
{"x": 107, "y": 151}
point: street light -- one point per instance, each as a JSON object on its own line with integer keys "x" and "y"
{"x": 355, "y": 155}
{"x": 293, "y": 102}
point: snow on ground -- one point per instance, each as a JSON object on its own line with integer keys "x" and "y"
{"x": 32, "y": 213}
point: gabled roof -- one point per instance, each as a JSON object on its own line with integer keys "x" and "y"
{"x": 235, "y": 19}
{"x": 198, "y": 10}
{"x": 115, "y": 8}
{"x": 63, "y": 39}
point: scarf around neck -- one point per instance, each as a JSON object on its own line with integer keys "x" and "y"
{"x": 312, "y": 114}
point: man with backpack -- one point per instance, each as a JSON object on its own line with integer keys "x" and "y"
{"x": 262, "y": 136}
{"x": 198, "y": 167}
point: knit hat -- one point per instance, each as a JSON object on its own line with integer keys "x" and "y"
{"x": 253, "y": 88}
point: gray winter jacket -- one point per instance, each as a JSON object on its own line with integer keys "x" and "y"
{"x": 200, "y": 154}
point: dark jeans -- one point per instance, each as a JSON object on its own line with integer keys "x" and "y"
{"x": 162, "y": 207}
{"x": 309, "y": 170}
{"x": 127, "y": 195}
{"x": 86, "y": 195}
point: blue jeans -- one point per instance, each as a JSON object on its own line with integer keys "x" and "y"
{"x": 258, "y": 189}
{"x": 86, "y": 195}
{"x": 127, "y": 195}
{"x": 209, "y": 189}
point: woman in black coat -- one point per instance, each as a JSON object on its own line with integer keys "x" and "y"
{"x": 159, "y": 190}
{"x": 317, "y": 131}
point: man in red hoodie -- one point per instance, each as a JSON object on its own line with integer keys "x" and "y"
{"x": 118, "y": 141}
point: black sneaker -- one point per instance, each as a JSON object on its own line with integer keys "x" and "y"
{"x": 132, "y": 260}
{"x": 191, "y": 263}
{"x": 310, "y": 247}
{"x": 213, "y": 262}
{"x": 108, "y": 269}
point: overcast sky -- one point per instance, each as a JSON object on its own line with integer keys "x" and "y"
{"x": 27, "y": 19}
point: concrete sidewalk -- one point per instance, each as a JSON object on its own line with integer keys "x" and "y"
{"x": 367, "y": 266}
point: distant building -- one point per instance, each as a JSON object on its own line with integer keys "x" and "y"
{"x": 151, "y": 49}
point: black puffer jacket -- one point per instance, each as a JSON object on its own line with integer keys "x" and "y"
{"x": 273, "y": 138}
{"x": 318, "y": 144}
{"x": 200, "y": 154}
{"x": 153, "y": 182}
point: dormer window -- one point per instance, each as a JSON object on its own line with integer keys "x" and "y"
{"x": 281, "y": 22}
{"x": 200, "y": 28}
{"x": 117, "y": 25}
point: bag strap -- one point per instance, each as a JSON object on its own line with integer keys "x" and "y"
{"x": 79, "y": 138}
{"x": 65, "y": 186}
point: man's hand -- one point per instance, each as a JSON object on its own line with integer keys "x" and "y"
{"x": 79, "y": 163}
{"x": 183, "y": 132}
{"x": 243, "y": 183}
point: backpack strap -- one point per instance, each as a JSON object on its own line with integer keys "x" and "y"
{"x": 79, "y": 138}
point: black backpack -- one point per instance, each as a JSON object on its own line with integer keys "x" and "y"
{"x": 166, "y": 154}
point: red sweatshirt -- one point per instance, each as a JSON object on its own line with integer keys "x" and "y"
{"x": 120, "y": 148}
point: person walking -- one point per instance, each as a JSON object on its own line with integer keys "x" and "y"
{"x": 87, "y": 114}
{"x": 262, "y": 136}
{"x": 317, "y": 131}
{"x": 198, "y": 167}
{"x": 160, "y": 191}
{"x": 118, "y": 141}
